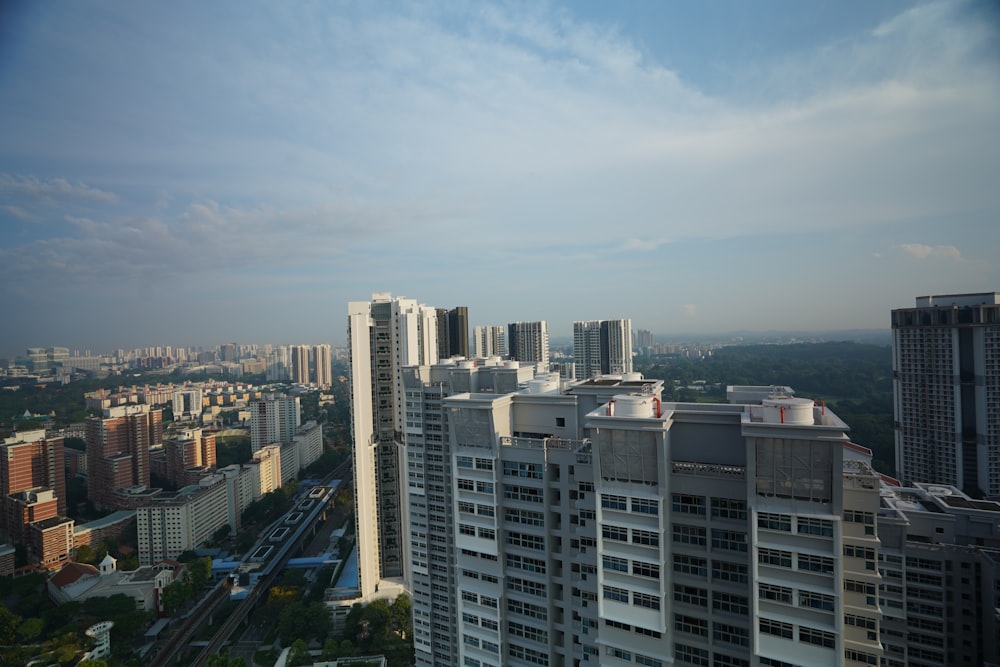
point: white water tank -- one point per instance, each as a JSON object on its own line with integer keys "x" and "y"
{"x": 788, "y": 410}
{"x": 543, "y": 384}
{"x": 512, "y": 363}
{"x": 633, "y": 405}
{"x": 631, "y": 377}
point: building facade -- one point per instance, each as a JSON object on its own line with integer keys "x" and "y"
{"x": 593, "y": 524}
{"x": 118, "y": 445}
{"x": 489, "y": 341}
{"x": 602, "y": 347}
{"x": 529, "y": 342}
{"x": 385, "y": 335}
{"x": 946, "y": 387}
{"x": 274, "y": 419}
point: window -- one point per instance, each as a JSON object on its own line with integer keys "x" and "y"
{"x": 691, "y": 625}
{"x": 811, "y": 526}
{"x": 820, "y": 564}
{"x": 527, "y": 609}
{"x": 643, "y": 569}
{"x": 485, "y": 510}
{"x": 484, "y": 487}
{"x": 685, "y": 534}
{"x": 463, "y": 461}
{"x": 647, "y": 661}
{"x": 731, "y": 634}
{"x": 685, "y": 504}
{"x": 646, "y": 506}
{"x": 525, "y": 563}
{"x": 817, "y": 637}
{"x": 646, "y": 537}
{"x": 487, "y": 533}
{"x": 465, "y": 529}
{"x": 525, "y": 470}
{"x": 527, "y": 631}
{"x": 616, "y": 594}
{"x": 776, "y": 628}
{"x": 619, "y": 653}
{"x": 729, "y": 539}
{"x": 690, "y": 655}
{"x": 782, "y": 522}
{"x": 725, "y": 571}
{"x": 525, "y": 540}
{"x": 525, "y": 494}
{"x": 465, "y": 484}
{"x": 691, "y": 595}
{"x": 469, "y": 508}
{"x": 816, "y": 600}
{"x": 484, "y": 464}
{"x": 644, "y": 600}
{"x": 690, "y": 565}
{"x": 527, "y": 517}
{"x": 611, "y": 502}
{"x": 528, "y": 655}
{"x": 729, "y": 508}
{"x": 730, "y": 603}
{"x": 861, "y": 622}
{"x": 616, "y": 533}
{"x": 525, "y": 586}
{"x": 774, "y": 557}
{"x": 723, "y": 660}
{"x": 617, "y": 564}
{"x": 858, "y": 656}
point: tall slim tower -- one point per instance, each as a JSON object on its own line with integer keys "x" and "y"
{"x": 529, "y": 342}
{"x": 385, "y": 334}
{"x": 324, "y": 371}
{"x": 300, "y": 364}
{"x": 602, "y": 347}
{"x": 946, "y": 390}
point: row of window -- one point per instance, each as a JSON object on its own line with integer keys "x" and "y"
{"x": 639, "y": 536}
{"x": 721, "y": 508}
{"x": 721, "y": 570}
{"x": 807, "y": 635}
{"x": 638, "y": 599}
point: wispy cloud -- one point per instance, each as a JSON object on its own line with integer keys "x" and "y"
{"x": 51, "y": 190}
{"x": 923, "y": 251}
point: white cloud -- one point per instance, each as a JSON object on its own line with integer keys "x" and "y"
{"x": 923, "y": 251}
{"x": 49, "y": 190}
{"x": 690, "y": 309}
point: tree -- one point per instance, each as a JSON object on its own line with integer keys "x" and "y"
{"x": 85, "y": 554}
{"x": 298, "y": 654}
{"x": 222, "y": 533}
{"x": 9, "y": 623}
{"x": 31, "y": 628}
{"x": 225, "y": 660}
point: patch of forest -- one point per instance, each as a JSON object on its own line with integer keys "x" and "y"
{"x": 853, "y": 379}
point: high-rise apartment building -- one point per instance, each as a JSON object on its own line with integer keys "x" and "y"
{"x": 946, "y": 387}
{"x": 32, "y": 482}
{"x": 323, "y": 373}
{"x": 939, "y": 561}
{"x": 529, "y": 342}
{"x": 602, "y": 347}
{"x": 274, "y": 419}
{"x": 595, "y": 524}
{"x": 300, "y": 364}
{"x": 385, "y": 335}
{"x": 190, "y": 454}
{"x": 118, "y": 445}
{"x": 279, "y": 364}
{"x": 453, "y": 332}
{"x": 489, "y": 341}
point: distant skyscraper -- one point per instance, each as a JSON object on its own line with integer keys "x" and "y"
{"x": 529, "y": 342}
{"x": 489, "y": 341}
{"x": 118, "y": 445}
{"x": 642, "y": 339}
{"x": 279, "y": 364}
{"x": 324, "y": 369}
{"x": 602, "y": 347}
{"x": 300, "y": 364}
{"x": 946, "y": 387}
{"x": 453, "y": 332}
{"x": 385, "y": 335}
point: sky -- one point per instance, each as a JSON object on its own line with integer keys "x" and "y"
{"x": 192, "y": 173}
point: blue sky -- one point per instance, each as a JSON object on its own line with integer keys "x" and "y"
{"x": 192, "y": 173}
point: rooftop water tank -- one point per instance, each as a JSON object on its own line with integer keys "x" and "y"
{"x": 633, "y": 405}
{"x": 787, "y": 410}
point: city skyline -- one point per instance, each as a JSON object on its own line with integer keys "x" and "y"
{"x": 171, "y": 174}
